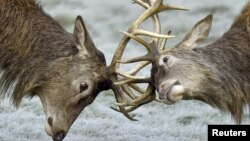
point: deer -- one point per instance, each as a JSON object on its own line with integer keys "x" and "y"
{"x": 66, "y": 71}
{"x": 39, "y": 58}
{"x": 217, "y": 74}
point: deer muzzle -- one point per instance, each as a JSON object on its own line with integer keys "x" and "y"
{"x": 56, "y": 128}
{"x": 170, "y": 91}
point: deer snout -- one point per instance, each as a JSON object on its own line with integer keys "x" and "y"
{"x": 59, "y": 137}
{"x": 170, "y": 91}
{"x": 55, "y": 129}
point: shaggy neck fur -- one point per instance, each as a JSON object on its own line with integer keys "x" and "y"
{"x": 29, "y": 40}
{"x": 230, "y": 59}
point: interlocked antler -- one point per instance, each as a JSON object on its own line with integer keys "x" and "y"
{"x": 125, "y": 83}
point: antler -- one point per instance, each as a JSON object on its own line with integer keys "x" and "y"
{"x": 125, "y": 83}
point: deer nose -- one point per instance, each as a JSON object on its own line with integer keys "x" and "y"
{"x": 56, "y": 136}
{"x": 59, "y": 137}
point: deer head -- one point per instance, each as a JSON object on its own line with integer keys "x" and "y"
{"x": 76, "y": 82}
{"x": 179, "y": 71}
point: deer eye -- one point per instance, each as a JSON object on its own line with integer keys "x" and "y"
{"x": 83, "y": 87}
{"x": 165, "y": 59}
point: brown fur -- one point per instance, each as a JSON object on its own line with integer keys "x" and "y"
{"x": 28, "y": 44}
{"x": 231, "y": 56}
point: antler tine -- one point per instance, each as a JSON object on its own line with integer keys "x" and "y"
{"x": 138, "y": 67}
{"x": 128, "y": 76}
{"x": 137, "y": 101}
{"x": 171, "y": 7}
{"x": 163, "y": 43}
{"x": 127, "y": 90}
{"x": 147, "y": 97}
{"x": 137, "y": 88}
{"x": 142, "y": 3}
{"x": 137, "y": 59}
{"x": 152, "y": 10}
{"x": 138, "y": 40}
{"x": 146, "y": 5}
{"x": 119, "y": 99}
{"x": 126, "y": 81}
{"x": 132, "y": 108}
{"x": 147, "y": 33}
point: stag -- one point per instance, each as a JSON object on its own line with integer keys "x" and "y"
{"x": 39, "y": 58}
{"x": 217, "y": 74}
{"x": 66, "y": 71}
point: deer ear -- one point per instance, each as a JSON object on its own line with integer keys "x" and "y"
{"x": 198, "y": 34}
{"x": 82, "y": 38}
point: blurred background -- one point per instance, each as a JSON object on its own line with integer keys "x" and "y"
{"x": 184, "y": 121}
